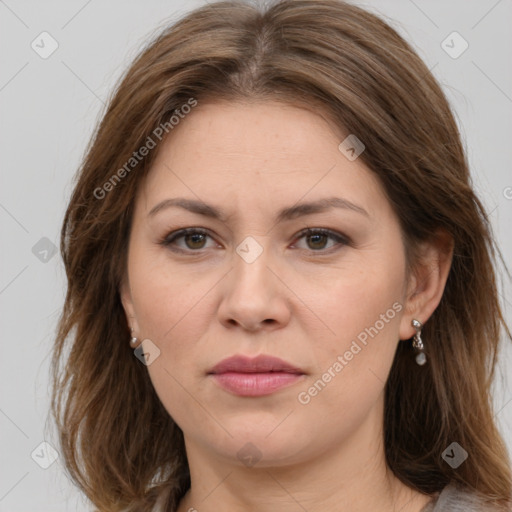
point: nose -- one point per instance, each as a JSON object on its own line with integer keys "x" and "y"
{"x": 254, "y": 296}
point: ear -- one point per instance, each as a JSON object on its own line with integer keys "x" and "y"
{"x": 127, "y": 302}
{"x": 427, "y": 281}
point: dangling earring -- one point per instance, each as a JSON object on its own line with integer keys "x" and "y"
{"x": 417, "y": 342}
{"x": 133, "y": 340}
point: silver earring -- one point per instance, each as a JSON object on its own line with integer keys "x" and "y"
{"x": 417, "y": 342}
{"x": 133, "y": 340}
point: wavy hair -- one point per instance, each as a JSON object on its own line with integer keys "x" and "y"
{"x": 119, "y": 444}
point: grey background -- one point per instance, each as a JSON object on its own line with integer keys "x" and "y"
{"x": 49, "y": 108}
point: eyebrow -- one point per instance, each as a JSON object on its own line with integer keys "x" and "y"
{"x": 289, "y": 213}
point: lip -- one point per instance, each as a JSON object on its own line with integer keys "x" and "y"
{"x": 257, "y": 376}
{"x": 258, "y": 364}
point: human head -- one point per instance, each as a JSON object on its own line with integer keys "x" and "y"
{"x": 374, "y": 86}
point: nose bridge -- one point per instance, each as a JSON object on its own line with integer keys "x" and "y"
{"x": 252, "y": 294}
{"x": 250, "y": 261}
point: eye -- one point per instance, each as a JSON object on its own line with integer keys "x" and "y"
{"x": 194, "y": 239}
{"x": 318, "y": 238}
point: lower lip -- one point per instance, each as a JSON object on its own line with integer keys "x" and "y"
{"x": 255, "y": 384}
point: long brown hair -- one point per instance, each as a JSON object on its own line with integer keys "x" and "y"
{"x": 119, "y": 444}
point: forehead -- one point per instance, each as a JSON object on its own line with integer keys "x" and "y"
{"x": 254, "y": 129}
{"x": 266, "y": 150}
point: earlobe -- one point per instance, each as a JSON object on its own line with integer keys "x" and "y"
{"x": 427, "y": 284}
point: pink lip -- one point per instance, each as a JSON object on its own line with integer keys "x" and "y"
{"x": 258, "y": 376}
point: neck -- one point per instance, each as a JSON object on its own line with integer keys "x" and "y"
{"x": 352, "y": 476}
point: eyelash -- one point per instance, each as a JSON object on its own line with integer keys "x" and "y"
{"x": 169, "y": 239}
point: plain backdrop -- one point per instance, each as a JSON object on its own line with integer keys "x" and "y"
{"x": 49, "y": 108}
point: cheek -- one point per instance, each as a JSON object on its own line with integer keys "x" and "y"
{"x": 166, "y": 297}
{"x": 168, "y": 310}
{"x": 171, "y": 313}
{"x": 363, "y": 310}
{"x": 353, "y": 366}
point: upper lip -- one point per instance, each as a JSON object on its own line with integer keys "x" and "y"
{"x": 258, "y": 364}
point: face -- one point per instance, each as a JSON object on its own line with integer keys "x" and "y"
{"x": 252, "y": 281}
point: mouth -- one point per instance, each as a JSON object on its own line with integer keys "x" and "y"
{"x": 258, "y": 376}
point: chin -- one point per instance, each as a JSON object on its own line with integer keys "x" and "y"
{"x": 263, "y": 443}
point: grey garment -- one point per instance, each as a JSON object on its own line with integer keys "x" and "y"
{"x": 457, "y": 499}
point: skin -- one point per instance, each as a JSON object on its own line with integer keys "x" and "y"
{"x": 304, "y": 299}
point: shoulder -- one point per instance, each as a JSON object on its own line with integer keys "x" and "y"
{"x": 461, "y": 499}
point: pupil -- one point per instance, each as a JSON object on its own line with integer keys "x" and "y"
{"x": 194, "y": 237}
{"x": 317, "y": 236}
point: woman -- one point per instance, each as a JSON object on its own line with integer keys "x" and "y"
{"x": 281, "y": 287}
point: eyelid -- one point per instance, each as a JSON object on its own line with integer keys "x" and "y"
{"x": 167, "y": 240}
{"x": 339, "y": 238}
